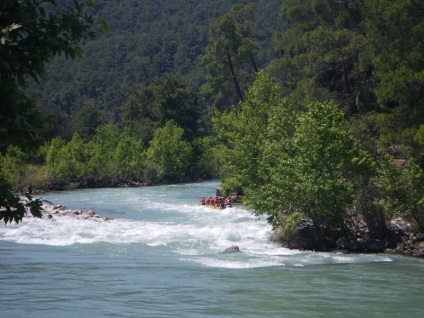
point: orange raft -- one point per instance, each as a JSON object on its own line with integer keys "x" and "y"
{"x": 216, "y": 207}
{"x": 217, "y": 203}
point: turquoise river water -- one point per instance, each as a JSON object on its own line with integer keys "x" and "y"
{"x": 160, "y": 256}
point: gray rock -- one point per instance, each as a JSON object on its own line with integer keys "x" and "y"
{"x": 419, "y": 250}
{"x": 231, "y": 250}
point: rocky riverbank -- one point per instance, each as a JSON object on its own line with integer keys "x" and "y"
{"x": 52, "y": 211}
{"x": 399, "y": 236}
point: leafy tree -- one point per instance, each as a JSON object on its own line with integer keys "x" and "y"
{"x": 276, "y": 163}
{"x": 311, "y": 165}
{"x": 244, "y": 132}
{"x": 206, "y": 157}
{"x": 166, "y": 98}
{"x": 367, "y": 55}
{"x": 169, "y": 155}
{"x": 14, "y": 165}
{"x": 19, "y": 174}
{"x": 326, "y": 162}
{"x": 324, "y": 53}
{"x": 289, "y": 164}
{"x": 403, "y": 189}
{"x": 130, "y": 158}
{"x": 103, "y": 167}
{"x": 87, "y": 119}
{"x": 67, "y": 163}
{"x": 53, "y": 163}
{"x": 109, "y": 158}
{"x": 368, "y": 195}
{"x": 114, "y": 156}
{"x": 395, "y": 30}
{"x": 32, "y": 33}
{"x": 45, "y": 29}
{"x": 12, "y": 209}
{"x": 230, "y": 50}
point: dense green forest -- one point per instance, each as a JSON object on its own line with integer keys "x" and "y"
{"x": 312, "y": 110}
{"x": 147, "y": 39}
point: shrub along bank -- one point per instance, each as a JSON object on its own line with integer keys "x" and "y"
{"x": 111, "y": 158}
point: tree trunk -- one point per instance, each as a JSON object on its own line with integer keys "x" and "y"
{"x": 233, "y": 74}
{"x": 253, "y": 64}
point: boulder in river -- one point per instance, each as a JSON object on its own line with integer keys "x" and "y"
{"x": 231, "y": 250}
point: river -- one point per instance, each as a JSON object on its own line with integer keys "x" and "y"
{"x": 160, "y": 256}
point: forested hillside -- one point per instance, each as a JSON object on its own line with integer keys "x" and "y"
{"x": 148, "y": 38}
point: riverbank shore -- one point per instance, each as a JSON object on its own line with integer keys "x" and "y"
{"x": 398, "y": 237}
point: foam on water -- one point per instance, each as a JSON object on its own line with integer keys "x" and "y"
{"x": 187, "y": 231}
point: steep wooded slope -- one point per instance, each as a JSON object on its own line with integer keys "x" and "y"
{"x": 148, "y": 38}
